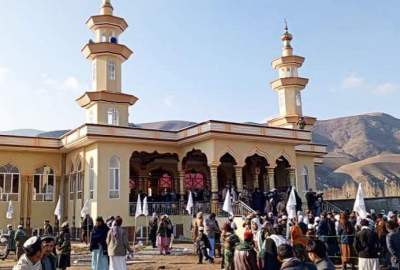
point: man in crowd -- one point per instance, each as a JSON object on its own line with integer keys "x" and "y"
{"x": 317, "y": 253}
{"x": 49, "y": 259}
{"x": 20, "y": 237}
{"x": 33, "y": 254}
{"x": 366, "y": 245}
{"x": 47, "y": 228}
{"x": 290, "y": 262}
{"x": 393, "y": 244}
{"x": 10, "y": 241}
{"x": 213, "y": 231}
{"x": 87, "y": 227}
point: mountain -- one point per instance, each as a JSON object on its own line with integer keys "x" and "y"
{"x": 22, "y": 132}
{"x": 362, "y": 148}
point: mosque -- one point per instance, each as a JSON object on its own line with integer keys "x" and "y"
{"x": 108, "y": 161}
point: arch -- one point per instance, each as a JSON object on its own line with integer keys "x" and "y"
{"x": 255, "y": 172}
{"x": 286, "y": 156}
{"x": 9, "y": 168}
{"x": 256, "y": 151}
{"x": 226, "y": 173}
{"x": 281, "y": 173}
{"x": 230, "y": 151}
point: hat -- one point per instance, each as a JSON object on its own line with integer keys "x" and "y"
{"x": 47, "y": 238}
{"x": 20, "y": 226}
{"x": 201, "y": 229}
{"x": 9, "y": 226}
{"x": 317, "y": 219}
{"x": 284, "y": 217}
{"x": 310, "y": 226}
{"x": 64, "y": 225}
{"x": 32, "y": 245}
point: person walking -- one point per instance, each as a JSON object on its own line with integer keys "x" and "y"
{"x": 10, "y": 241}
{"x": 393, "y": 244}
{"x": 229, "y": 242}
{"x": 30, "y": 260}
{"x": 164, "y": 233}
{"x": 366, "y": 245}
{"x": 63, "y": 247}
{"x": 153, "y": 226}
{"x": 117, "y": 245}
{"x": 49, "y": 259}
{"x": 346, "y": 233}
{"x": 202, "y": 244}
{"x": 212, "y": 230}
{"x": 245, "y": 256}
{"x": 197, "y": 223}
{"x": 87, "y": 227}
{"x": 19, "y": 238}
{"x": 317, "y": 253}
{"x": 98, "y": 245}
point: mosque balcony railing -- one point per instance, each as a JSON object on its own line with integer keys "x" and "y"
{"x": 32, "y": 142}
{"x": 312, "y": 148}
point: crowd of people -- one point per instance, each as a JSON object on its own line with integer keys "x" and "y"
{"x": 308, "y": 241}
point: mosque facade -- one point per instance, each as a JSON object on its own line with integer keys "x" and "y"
{"x": 108, "y": 161}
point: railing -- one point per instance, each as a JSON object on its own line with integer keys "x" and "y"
{"x": 179, "y": 208}
{"x": 330, "y": 207}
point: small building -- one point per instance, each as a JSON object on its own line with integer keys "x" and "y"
{"x": 109, "y": 161}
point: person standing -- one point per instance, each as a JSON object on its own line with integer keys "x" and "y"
{"x": 117, "y": 245}
{"x": 317, "y": 253}
{"x": 47, "y": 228}
{"x": 63, "y": 247}
{"x": 30, "y": 260}
{"x": 346, "y": 238}
{"x": 164, "y": 233}
{"x": 212, "y": 230}
{"x": 20, "y": 238}
{"x": 366, "y": 245}
{"x": 290, "y": 262}
{"x": 87, "y": 227}
{"x": 393, "y": 244}
{"x": 98, "y": 245}
{"x": 153, "y": 225}
{"x": 245, "y": 256}
{"x": 197, "y": 223}
{"x": 10, "y": 241}
{"x": 202, "y": 244}
{"x": 229, "y": 241}
{"x": 49, "y": 260}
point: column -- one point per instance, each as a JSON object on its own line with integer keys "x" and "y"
{"x": 271, "y": 176}
{"x": 265, "y": 179}
{"x": 292, "y": 177}
{"x": 22, "y": 199}
{"x": 239, "y": 178}
{"x": 29, "y": 193}
{"x": 214, "y": 188}
{"x": 181, "y": 185}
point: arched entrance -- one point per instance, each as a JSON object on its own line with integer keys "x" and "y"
{"x": 151, "y": 174}
{"x": 226, "y": 173}
{"x": 197, "y": 175}
{"x": 255, "y": 173}
{"x": 282, "y": 176}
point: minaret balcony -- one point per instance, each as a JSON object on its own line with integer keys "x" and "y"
{"x": 289, "y": 81}
{"x": 106, "y": 21}
{"x": 105, "y": 96}
{"x": 287, "y": 61}
{"x": 92, "y": 50}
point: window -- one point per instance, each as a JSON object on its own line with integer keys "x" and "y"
{"x": 112, "y": 116}
{"x": 43, "y": 184}
{"x": 304, "y": 173}
{"x": 111, "y": 70}
{"x": 79, "y": 180}
{"x": 91, "y": 179}
{"x": 9, "y": 183}
{"x": 114, "y": 178}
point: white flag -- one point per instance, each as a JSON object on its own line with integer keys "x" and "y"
{"x": 57, "y": 211}
{"x": 190, "y": 204}
{"x": 227, "y": 207}
{"x": 138, "y": 212}
{"x": 359, "y": 204}
{"x": 85, "y": 209}
{"x": 145, "y": 210}
{"x": 291, "y": 204}
{"x": 10, "y": 210}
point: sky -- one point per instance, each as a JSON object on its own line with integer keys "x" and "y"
{"x": 199, "y": 60}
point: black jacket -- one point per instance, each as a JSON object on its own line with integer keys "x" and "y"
{"x": 366, "y": 243}
{"x": 98, "y": 238}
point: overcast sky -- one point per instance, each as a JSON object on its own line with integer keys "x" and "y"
{"x": 200, "y": 60}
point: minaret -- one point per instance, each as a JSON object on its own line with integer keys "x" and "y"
{"x": 289, "y": 86}
{"x": 105, "y": 103}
